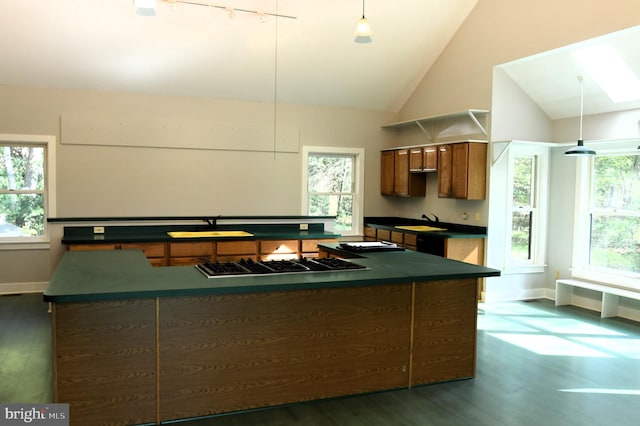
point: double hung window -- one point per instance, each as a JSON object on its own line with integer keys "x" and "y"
{"x": 25, "y": 187}
{"x": 332, "y": 186}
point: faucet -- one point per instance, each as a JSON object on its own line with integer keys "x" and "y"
{"x": 435, "y": 219}
{"x": 212, "y": 221}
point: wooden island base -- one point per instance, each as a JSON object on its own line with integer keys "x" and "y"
{"x": 152, "y": 360}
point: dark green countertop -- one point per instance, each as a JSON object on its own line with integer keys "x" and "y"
{"x": 453, "y": 230}
{"x": 158, "y": 233}
{"x": 123, "y": 274}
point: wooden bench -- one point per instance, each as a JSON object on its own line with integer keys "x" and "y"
{"x": 610, "y": 295}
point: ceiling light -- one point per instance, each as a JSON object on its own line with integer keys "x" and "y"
{"x": 148, "y": 8}
{"x": 580, "y": 150}
{"x": 363, "y": 29}
{"x": 145, "y": 7}
{"x": 610, "y": 72}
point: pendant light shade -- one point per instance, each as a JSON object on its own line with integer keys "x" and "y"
{"x": 580, "y": 150}
{"x": 363, "y": 29}
{"x": 145, "y": 7}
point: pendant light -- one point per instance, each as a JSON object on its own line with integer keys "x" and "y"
{"x": 145, "y": 7}
{"x": 363, "y": 29}
{"x": 580, "y": 150}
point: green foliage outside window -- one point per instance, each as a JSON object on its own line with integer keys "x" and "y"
{"x": 21, "y": 191}
{"x": 615, "y": 215}
{"x": 522, "y": 204}
{"x": 330, "y": 187}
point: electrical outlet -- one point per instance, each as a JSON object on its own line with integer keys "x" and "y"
{"x": 477, "y": 216}
{"x": 465, "y": 216}
{"x": 304, "y": 226}
{"x": 98, "y": 229}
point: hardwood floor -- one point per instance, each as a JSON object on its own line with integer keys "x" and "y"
{"x": 536, "y": 365}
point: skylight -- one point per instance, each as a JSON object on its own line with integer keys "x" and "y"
{"x": 605, "y": 66}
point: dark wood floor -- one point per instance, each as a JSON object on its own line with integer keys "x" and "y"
{"x": 537, "y": 365}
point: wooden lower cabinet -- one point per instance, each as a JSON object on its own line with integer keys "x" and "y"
{"x": 279, "y": 249}
{"x": 191, "y": 253}
{"x": 230, "y": 251}
{"x": 156, "y": 253}
{"x": 444, "y": 331}
{"x": 276, "y": 348}
{"x": 160, "y": 359}
{"x": 309, "y": 248}
{"x": 104, "y": 361}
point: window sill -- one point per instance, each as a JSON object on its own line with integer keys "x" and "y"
{"x": 523, "y": 269}
{"x": 26, "y": 245}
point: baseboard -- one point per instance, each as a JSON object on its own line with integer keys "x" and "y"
{"x": 18, "y": 288}
{"x": 512, "y": 295}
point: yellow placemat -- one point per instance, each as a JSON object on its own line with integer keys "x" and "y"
{"x": 209, "y": 234}
{"x": 421, "y": 228}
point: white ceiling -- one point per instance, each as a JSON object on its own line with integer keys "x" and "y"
{"x": 551, "y": 78}
{"x": 199, "y": 51}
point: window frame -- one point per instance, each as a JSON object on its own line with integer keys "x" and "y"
{"x": 49, "y": 144}
{"x": 539, "y": 209}
{"x": 358, "y": 182}
{"x": 581, "y": 267}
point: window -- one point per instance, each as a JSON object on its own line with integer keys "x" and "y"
{"x": 607, "y": 247}
{"x": 26, "y": 182}
{"x": 332, "y": 186}
{"x": 615, "y": 213}
{"x": 526, "y": 218}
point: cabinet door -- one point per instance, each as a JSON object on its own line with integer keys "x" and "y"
{"x": 476, "y": 171}
{"x": 459, "y": 169}
{"x": 386, "y": 172}
{"x": 415, "y": 159}
{"x": 444, "y": 171}
{"x": 430, "y": 159}
{"x": 401, "y": 173}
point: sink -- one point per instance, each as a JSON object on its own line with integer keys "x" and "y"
{"x": 420, "y": 228}
{"x": 209, "y": 234}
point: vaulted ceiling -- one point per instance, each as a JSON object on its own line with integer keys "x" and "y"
{"x": 200, "y": 51}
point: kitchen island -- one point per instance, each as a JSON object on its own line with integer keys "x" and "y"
{"x": 133, "y": 344}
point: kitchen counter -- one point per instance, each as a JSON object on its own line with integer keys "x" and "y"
{"x": 125, "y": 274}
{"x": 133, "y": 344}
{"x": 159, "y": 233}
{"x": 453, "y": 230}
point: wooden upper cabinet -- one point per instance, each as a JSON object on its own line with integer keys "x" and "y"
{"x": 430, "y": 159}
{"x": 405, "y": 183}
{"x": 415, "y": 159}
{"x": 462, "y": 171}
{"x": 386, "y": 172}
{"x": 444, "y": 171}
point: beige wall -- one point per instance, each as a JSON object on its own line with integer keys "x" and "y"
{"x": 496, "y": 32}
{"x": 103, "y": 181}
{"x": 499, "y": 31}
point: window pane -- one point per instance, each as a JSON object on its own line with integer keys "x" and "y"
{"x": 340, "y": 206}
{"x": 615, "y": 242}
{"x": 330, "y": 173}
{"x": 22, "y": 167}
{"x": 521, "y": 235}
{"x": 21, "y": 215}
{"x": 617, "y": 182}
{"x": 522, "y": 181}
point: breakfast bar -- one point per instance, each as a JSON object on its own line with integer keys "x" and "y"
{"x": 134, "y": 344}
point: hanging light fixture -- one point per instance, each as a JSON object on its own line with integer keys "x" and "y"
{"x": 363, "y": 29}
{"x": 580, "y": 150}
{"x": 145, "y": 7}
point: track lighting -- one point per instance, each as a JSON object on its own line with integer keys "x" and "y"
{"x": 148, "y": 8}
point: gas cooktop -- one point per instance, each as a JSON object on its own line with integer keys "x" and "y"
{"x": 246, "y": 267}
